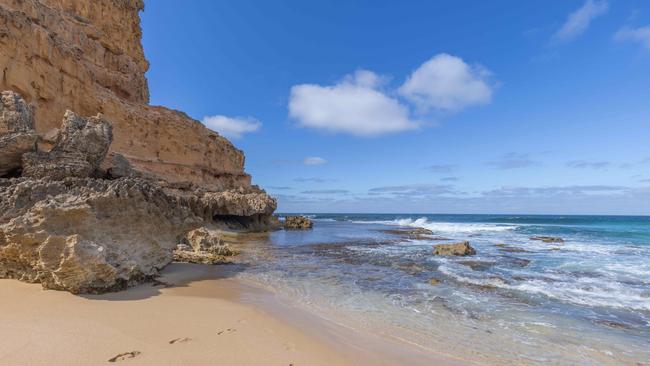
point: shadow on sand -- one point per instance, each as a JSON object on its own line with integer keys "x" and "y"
{"x": 174, "y": 276}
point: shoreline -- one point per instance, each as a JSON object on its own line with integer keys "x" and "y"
{"x": 203, "y": 316}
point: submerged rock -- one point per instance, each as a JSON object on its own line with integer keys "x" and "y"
{"x": 416, "y": 233}
{"x": 511, "y": 249}
{"x": 457, "y": 249}
{"x": 477, "y": 265}
{"x": 434, "y": 281}
{"x": 548, "y": 239}
{"x": 297, "y": 223}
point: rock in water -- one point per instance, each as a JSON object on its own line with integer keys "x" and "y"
{"x": 548, "y": 239}
{"x": 17, "y": 135}
{"x": 297, "y": 223}
{"x": 459, "y": 249}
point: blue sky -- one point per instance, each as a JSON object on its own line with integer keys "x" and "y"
{"x": 419, "y": 106}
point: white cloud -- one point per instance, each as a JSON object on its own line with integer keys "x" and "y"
{"x": 446, "y": 82}
{"x": 356, "y": 105}
{"x": 231, "y": 127}
{"x": 640, "y": 35}
{"x": 314, "y": 160}
{"x": 578, "y": 21}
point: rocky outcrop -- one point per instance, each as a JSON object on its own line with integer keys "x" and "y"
{"x": 297, "y": 223}
{"x": 457, "y": 249}
{"x": 88, "y": 235}
{"x": 94, "y": 204}
{"x": 71, "y": 224}
{"x": 203, "y": 246}
{"x": 80, "y": 147}
{"x": 87, "y": 57}
{"x": 17, "y": 135}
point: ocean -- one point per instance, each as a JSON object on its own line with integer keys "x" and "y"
{"x": 583, "y": 301}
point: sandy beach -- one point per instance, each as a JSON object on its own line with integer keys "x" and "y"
{"x": 197, "y": 316}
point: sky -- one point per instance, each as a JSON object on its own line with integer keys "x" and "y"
{"x": 516, "y": 107}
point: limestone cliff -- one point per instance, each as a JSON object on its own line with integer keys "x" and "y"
{"x": 86, "y": 56}
{"x": 93, "y": 204}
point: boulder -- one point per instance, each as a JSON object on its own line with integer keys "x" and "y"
{"x": 297, "y": 223}
{"x": 79, "y": 149}
{"x": 203, "y": 246}
{"x": 88, "y": 235}
{"x": 458, "y": 249}
{"x": 202, "y": 239}
{"x": 17, "y": 135}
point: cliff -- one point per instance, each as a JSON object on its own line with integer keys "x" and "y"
{"x": 86, "y": 56}
{"x": 94, "y": 204}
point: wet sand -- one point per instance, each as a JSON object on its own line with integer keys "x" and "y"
{"x": 198, "y": 315}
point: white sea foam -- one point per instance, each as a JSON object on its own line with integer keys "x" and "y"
{"x": 444, "y": 227}
{"x": 581, "y": 291}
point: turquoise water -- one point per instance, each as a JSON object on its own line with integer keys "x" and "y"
{"x": 584, "y": 301}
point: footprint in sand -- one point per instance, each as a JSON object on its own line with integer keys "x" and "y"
{"x": 229, "y": 330}
{"x": 180, "y": 340}
{"x": 125, "y": 356}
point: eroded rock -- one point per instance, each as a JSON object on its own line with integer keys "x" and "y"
{"x": 58, "y": 62}
{"x": 88, "y": 235}
{"x": 79, "y": 149}
{"x": 297, "y": 223}
{"x": 72, "y": 219}
{"x": 17, "y": 135}
{"x": 457, "y": 249}
{"x": 203, "y": 246}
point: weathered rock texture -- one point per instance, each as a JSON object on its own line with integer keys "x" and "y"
{"x": 86, "y": 56}
{"x": 94, "y": 204}
{"x": 297, "y": 223}
{"x": 88, "y": 235}
{"x": 79, "y": 148}
{"x": 17, "y": 134}
{"x": 459, "y": 249}
{"x": 70, "y": 225}
{"x": 203, "y": 246}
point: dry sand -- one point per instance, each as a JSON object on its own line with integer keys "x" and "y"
{"x": 203, "y": 318}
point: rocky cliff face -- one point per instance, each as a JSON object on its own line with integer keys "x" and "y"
{"x": 86, "y": 56}
{"x": 93, "y": 204}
